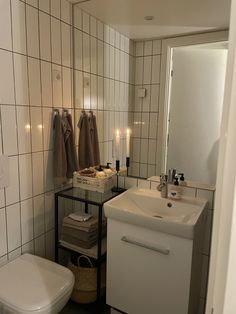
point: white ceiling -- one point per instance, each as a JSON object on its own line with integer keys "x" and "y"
{"x": 171, "y": 17}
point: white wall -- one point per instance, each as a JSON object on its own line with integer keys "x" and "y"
{"x": 196, "y": 102}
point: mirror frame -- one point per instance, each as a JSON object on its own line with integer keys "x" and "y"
{"x": 166, "y": 66}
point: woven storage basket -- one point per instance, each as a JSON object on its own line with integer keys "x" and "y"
{"x": 85, "y": 288}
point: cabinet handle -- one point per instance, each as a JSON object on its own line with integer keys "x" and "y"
{"x": 161, "y": 250}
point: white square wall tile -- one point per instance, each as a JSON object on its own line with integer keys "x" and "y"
{"x": 155, "y": 98}
{"x": 56, "y": 40}
{"x": 77, "y": 17}
{"x": 6, "y": 78}
{"x": 100, "y": 30}
{"x": 21, "y": 79}
{"x": 156, "y": 63}
{"x": 39, "y": 215}
{"x": 18, "y": 26}
{"x": 67, "y": 87}
{"x": 14, "y": 254}
{"x": 50, "y": 245}
{"x": 148, "y": 48}
{"x": 2, "y": 198}
{"x": 139, "y": 48}
{"x": 32, "y": 24}
{"x": 27, "y": 215}
{"x": 12, "y": 191}
{"x": 3, "y": 234}
{"x": 56, "y": 8}
{"x": 9, "y": 134}
{"x": 144, "y": 184}
{"x": 130, "y": 182}
{"x": 144, "y": 151}
{"x": 78, "y": 49}
{"x": 66, "y": 47}
{"x": 139, "y": 71}
{"x": 156, "y": 47}
{"x": 46, "y": 82}
{"x": 147, "y": 70}
{"x": 26, "y": 181}
{"x": 13, "y": 227}
{"x": 39, "y": 246}
{"x": 49, "y": 211}
{"x": 86, "y": 22}
{"x": 100, "y": 56}
{"x": 57, "y": 85}
{"x": 38, "y": 179}
{"x": 36, "y": 129}
{"x": 34, "y": 82}
{"x": 45, "y": 36}
{"x": 23, "y": 129}
{"x": 86, "y": 53}
{"x": 48, "y": 171}
{"x": 66, "y": 11}
{"x": 47, "y": 128}
{"x": 34, "y": 3}
{"x": 93, "y": 53}
{"x": 5, "y": 25}
{"x": 93, "y": 26}
{"x": 44, "y": 5}
{"x": 28, "y": 248}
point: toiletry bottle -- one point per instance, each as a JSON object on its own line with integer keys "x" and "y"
{"x": 182, "y": 180}
{"x": 175, "y": 191}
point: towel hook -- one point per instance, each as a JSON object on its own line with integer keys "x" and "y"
{"x": 56, "y": 111}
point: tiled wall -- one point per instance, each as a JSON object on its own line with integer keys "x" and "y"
{"x": 104, "y": 79}
{"x": 145, "y": 110}
{"x": 36, "y": 76}
{"x": 195, "y": 190}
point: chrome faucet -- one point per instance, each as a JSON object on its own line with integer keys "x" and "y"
{"x": 171, "y": 175}
{"x": 163, "y": 186}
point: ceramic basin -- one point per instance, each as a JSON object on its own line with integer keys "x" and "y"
{"x": 146, "y": 208}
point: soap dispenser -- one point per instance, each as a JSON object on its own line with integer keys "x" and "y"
{"x": 182, "y": 180}
{"x": 175, "y": 191}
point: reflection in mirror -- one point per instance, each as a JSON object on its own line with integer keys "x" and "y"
{"x": 121, "y": 80}
{"x": 195, "y": 110}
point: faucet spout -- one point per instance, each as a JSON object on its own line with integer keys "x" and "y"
{"x": 163, "y": 186}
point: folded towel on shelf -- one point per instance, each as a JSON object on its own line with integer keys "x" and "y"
{"x": 78, "y": 216}
{"x": 88, "y": 226}
{"x": 82, "y": 235}
{"x": 78, "y": 242}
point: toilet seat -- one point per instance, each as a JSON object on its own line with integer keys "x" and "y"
{"x": 33, "y": 285}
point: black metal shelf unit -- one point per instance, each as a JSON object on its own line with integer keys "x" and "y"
{"x": 88, "y": 198}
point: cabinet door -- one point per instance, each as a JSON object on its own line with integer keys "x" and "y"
{"x": 142, "y": 280}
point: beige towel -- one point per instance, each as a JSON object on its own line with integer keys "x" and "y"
{"x": 72, "y": 164}
{"x": 87, "y": 226}
{"x": 85, "y": 152}
{"x": 82, "y": 235}
{"x": 94, "y": 139}
{"x": 59, "y": 152}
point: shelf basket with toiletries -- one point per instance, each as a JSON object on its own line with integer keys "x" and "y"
{"x": 94, "y": 179}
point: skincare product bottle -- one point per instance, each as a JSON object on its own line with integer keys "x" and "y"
{"x": 175, "y": 190}
{"x": 182, "y": 180}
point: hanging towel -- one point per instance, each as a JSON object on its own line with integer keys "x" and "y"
{"x": 72, "y": 163}
{"x": 59, "y": 152}
{"x": 85, "y": 152}
{"x": 94, "y": 139}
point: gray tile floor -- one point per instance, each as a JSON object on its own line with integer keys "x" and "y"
{"x": 75, "y": 308}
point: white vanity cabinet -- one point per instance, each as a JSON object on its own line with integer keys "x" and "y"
{"x": 149, "y": 272}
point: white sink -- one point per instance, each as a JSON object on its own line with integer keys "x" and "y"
{"x": 146, "y": 208}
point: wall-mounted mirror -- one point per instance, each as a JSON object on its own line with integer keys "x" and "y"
{"x": 123, "y": 71}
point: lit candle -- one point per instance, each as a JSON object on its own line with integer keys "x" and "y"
{"x": 117, "y": 145}
{"x": 128, "y": 143}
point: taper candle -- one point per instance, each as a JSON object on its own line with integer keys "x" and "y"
{"x": 128, "y": 143}
{"x": 117, "y": 145}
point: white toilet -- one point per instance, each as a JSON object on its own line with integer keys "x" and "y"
{"x": 31, "y": 284}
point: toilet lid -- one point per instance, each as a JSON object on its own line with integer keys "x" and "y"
{"x": 30, "y": 283}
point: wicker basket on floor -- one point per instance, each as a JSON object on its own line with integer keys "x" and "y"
{"x": 85, "y": 288}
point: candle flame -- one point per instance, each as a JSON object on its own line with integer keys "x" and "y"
{"x": 117, "y": 132}
{"x": 128, "y": 131}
